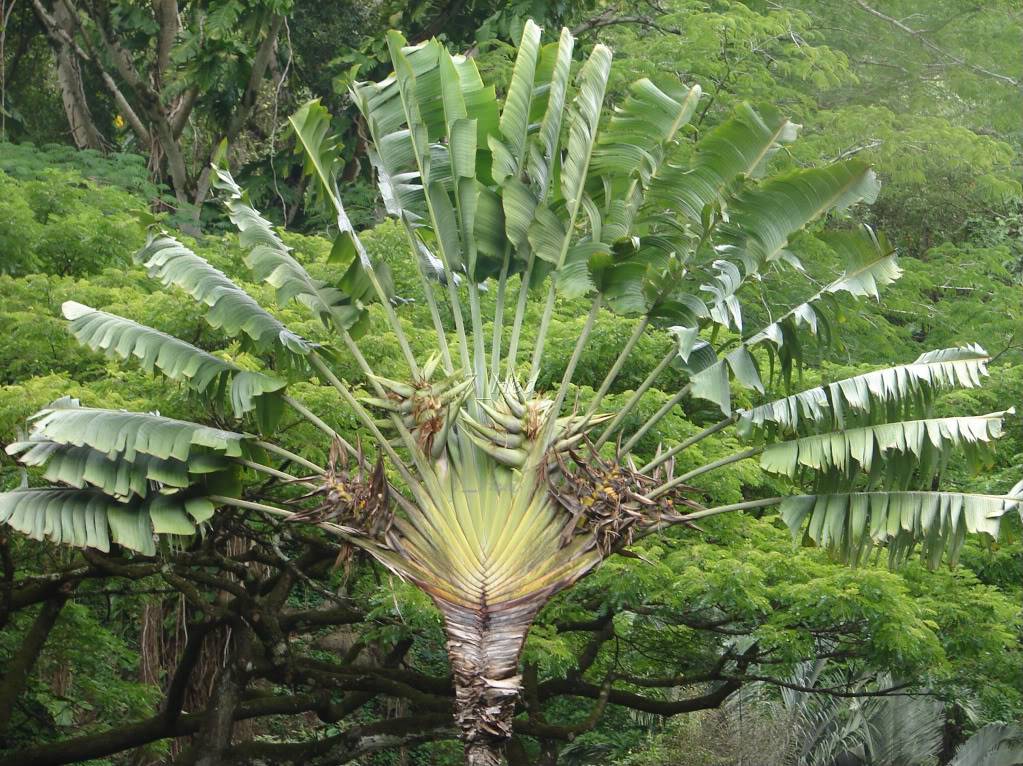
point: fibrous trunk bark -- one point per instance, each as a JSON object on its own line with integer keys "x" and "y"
{"x": 484, "y": 645}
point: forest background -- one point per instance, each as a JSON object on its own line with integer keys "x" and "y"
{"x": 110, "y": 113}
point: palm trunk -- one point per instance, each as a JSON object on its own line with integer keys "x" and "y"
{"x": 484, "y": 645}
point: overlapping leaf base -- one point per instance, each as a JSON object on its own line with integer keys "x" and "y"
{"x": 484, "y": 645}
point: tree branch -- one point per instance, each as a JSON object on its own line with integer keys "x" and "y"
{"x": 919, "y": 35}
{"x": 20, "y": 666}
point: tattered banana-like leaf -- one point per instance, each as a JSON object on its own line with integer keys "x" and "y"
{"x": 81, "y": 466}
{"x": 125, "y": 435}
{"x": 514, "y": 120}
{"x": 739, "y": 147}
{"x": 648, "y": 120}
{"x": 231, "y": 309}
{"x": 219, "y": 380}
{"x": 271, "y": 262}
{"x": 851, "y": 524}
{"x": 584, "y": 118}
{"x": 863, "y": 446}
{"x": 872, "y": 265}
{"x": 908, "y": 385}
{"x": 318, "y": 146}
{"x": 88, "y": 518}
{"x": 762, "y": 218}
{"x": 431, "y": 123}
{"x": 556, "y": 63}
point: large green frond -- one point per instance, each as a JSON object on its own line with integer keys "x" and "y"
{"x": 872, "y": 265}
{"x": 762, "y": 219}
{"x": 907, "y": 384}
{"x": 514, "y": 122}
{"x": 859, "y": 448}
{"x": 271, "y": 262}
{"x": 91, "y": 519}
{"x": 634, "y": 143}
{"x": 738, "y": 147}
{"x": 118, "y": 477}
{"x": 851, "y": 524}
{"x": 126, "y": 434}
{"x": 584, "y": 118}
{"x": 231, "y": 309}
{"x": 219, "y": 380}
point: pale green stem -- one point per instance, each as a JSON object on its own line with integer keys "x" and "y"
{"x": 665, "y": 456}
{"x": 623, "y": 413}
{"x": 479, "y": 354}
{"x": 368, "y": 422}
{"x": 315, "y": 419}
{"x": 541, "y": 337}
{"x": 664, "y": 410}
{"x": 703, "y": 513}
{"x": 438, "y": 324}
{"x": 738, "y": 456}
{"x": 495, "y": 347}
{"x": 280, "y": 451}
{"x": 282, "y": 475}
{"x": 566, "y": 379}
{"x": 345, "y": 225}
{"x": 456, "y": 311}
{"x": 249, "y": 505}
{"x": 275, "y": 511}
{"x": 520, "y": 312}
{"x": 431, "y": 300}
{"x": 616, "y": 368}
{"x": 406, "y": 436}
{"x": 745, "y": 506}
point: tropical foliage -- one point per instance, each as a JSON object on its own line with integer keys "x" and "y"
{"x": 481, "y": 489}
{"x": 310, "y": 649}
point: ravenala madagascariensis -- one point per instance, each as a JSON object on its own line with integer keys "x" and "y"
{"x": 489, "y": 494}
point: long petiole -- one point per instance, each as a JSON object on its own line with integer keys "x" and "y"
{"x": 315, "y": 419}
{"x": 479, "y": 354}
{"x": 623, "y": 413}
{"x": 738, "y": 456}
{"x": 748, "y": 505}
{"x": 282, "y": 475}
{"x": 281, "y": 452}
{"x": 520, "y": 315}
{"x": 368, "y": 422}
{"x": 541, "y": 336}
{"x": 665, "y": 456}
{"x": 616, "y": 368}
{"x": 273, "y": 510}
{"x": 344, "y": 225}
{"x": 656, "y": 417}
{"x": 703, "y": 513}
{"x": 431, "y": 300}
{"x": 495, "y": 347}
{"x": 577, "y": 353}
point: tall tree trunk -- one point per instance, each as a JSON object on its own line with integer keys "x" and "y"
{"x": 72, "y": 92}
{"x": 484, "y": 645}
{"x": 214, "y": 737}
